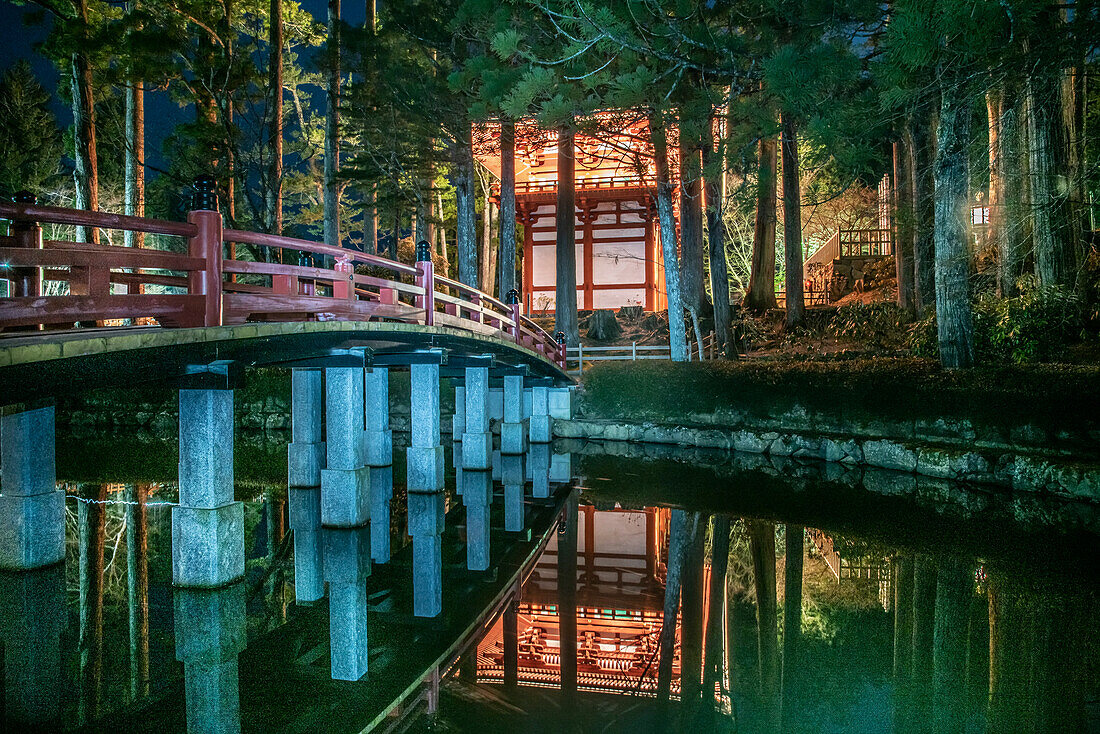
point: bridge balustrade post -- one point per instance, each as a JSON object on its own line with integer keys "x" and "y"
{"x": 559, "y": 354}
{"x": 306, "y": 459}
{"x": 206, "y": 244}
{"x": 343, "y": 286}
{"x": 513, "y": 300}
{"x": 32, "y": 508}
{"x": 425, "y": 278}
{"x": 26, "y": 282}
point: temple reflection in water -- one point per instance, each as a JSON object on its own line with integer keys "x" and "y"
{"x": 620, "y": 584}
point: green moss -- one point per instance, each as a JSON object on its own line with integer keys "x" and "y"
{"x": 1061, "y": 396}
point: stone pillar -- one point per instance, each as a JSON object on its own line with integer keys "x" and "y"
{"x": 456, "y": 460}
{"x": 458, "y": 421}
{"x": 210, "y": 633}
{"x": 345, "y": 490}
{"x": 540, "y": 425}
{"x": 513, "y": 433}
{"x": 381, "y": 492}
{"x": 425, "y": 454}
{"x": 347, "y": 566}
{"x": 33, "y": 614}
{"x": 378, "y": 436}
{"x": 561, "y": 403}
{"x": 477, "y": 441}
{"x": 538, "y": 457}
{"x": 207, "y": 526}
{"x": 425, "y": 492}
{"x": 561, "y": 468}
{"x": 305, "y": 460}
{"x": 32, "y": 508}
{"x": 477, "y": 496}
{"x": 513, "y": 476}
{"x": 426, "y": 521}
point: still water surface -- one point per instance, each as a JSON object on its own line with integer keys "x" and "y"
{"x": 921, "y": 605}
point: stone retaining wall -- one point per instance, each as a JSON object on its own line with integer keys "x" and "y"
{"x": 1001, "y": 464}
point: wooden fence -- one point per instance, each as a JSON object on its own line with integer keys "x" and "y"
{"x": 59, "y": 284}
{"x": 633, "y": 352}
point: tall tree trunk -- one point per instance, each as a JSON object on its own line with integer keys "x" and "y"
{"x": 954, "y": 587}
{"x": 1076, "y": 89}
{"x": 676, "y": 329}
{"x": 903, "y": 223}
{"x": 134, "y": 194}
{"x": 714, "y": 184}
{"x": 924, "y": 197}
{"x": 678, "y": 539}
{"x": 762, "y": 543}
{"x": 86, "y": 173}
{"x": 507, "y": 207}
{"x": 954, "y": 320}
{"x": 275, "y": 70}
{"x": 691, "y": 225}
{"x": 332, "y": 128}
{"x": 792, "y": 224}
{"x": 761, "y": 295}
{"x": 565, "y": 293}
{"x": 1006, "y": 178}
{"x": 794, "y": 541}
{"x": 485, "y": 247}
{"x": 1048, "y": 156}
{"x": 443, "y": 238}
{"x": 370, "y": 202}
{"x": 466, "y": 208}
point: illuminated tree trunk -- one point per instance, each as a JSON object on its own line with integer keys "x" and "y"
{"x": 275, "y": 63}
{"x": 1006, "y": 178}
{"x": 761, "y": 295}
{"x": 466, "y": 208}
{"x": 924, "y": 197}
{"x": 1048, "y": 157}
{"x": 792, "y": 224}
{"x": 677, "y": 333}
{"x": 370, "y": 204}
{"x": 332, "y": 129}
{"x": 714, "y": 185}
{"x": 507, "y": 207}
{"x": 903, "y": 223}
{"x": 86, "y": 171}
{"x": 565, "y": 293}
{"x": 954, "y": 320}
{"x": 691, "y": 226}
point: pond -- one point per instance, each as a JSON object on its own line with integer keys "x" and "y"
{"x": 920, "y": 605}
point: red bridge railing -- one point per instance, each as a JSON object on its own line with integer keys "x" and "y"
{"x": 56, "y": 284}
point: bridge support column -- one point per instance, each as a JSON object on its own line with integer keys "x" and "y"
{"x": 538, "y": 458}
{"x": 381, "y": 492}
{"x": 347, "y": 566}
{"x": 512, "y": 474}
{"x": 378, "y": 437}
{"x": 345, "y": 494}
{"x": 379, "y": 452}
{"x": 207, "y": 526}
{"x": 477, "y": 496}
{"x": 425, "y": 487}
{"x": 561, "y": 403}
{"x": 477, "y": 441}
{"x": 458, "y": 421}
{"x": 496, "y": 404}
{"x": 210, "y": 634}
{"x": 513, "y": 433}
{"x": 32, "y": 508}
{"x": 305, "y": 460}
{"x": 33, "y": 614}
{"x": 540, "y": 425}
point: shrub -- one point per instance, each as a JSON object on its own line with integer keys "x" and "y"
{"x": 1032, "y": 327}
{"x": 876, "y": 324}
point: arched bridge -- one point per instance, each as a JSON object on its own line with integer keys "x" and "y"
{"x": 81, "y": 315}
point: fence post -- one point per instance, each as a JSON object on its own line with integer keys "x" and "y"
{"x": 512, "y": 299}
{"x": 425, "y": 278}
{"x": 207, "y": 244}
{"x": 26, "y": 282}
{"x": 580, "y": 357}
{"x": 633, "y": 351}
{"x": 344, "y": 287}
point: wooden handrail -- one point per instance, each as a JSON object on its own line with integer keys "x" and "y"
{"x": 292, "y": 243}
{"x": 102, "y": 220}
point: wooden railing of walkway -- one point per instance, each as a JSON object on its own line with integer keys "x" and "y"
{"x": 204, "y": 286}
